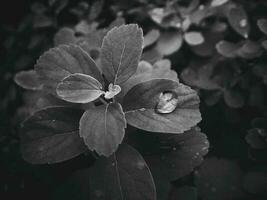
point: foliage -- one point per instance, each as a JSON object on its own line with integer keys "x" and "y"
{"x": 111, "y": 90}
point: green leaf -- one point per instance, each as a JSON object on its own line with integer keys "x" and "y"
{"x": 238, "y": 19}
{"x": 262, "y": 24}
{"x": 57, "y": 63}
{"x": 28, "y": 80}
{"x": 151, "y": 37}
{"x": 169, "y": 42}
{"x": 79, "y": 88}
{"x": 102, "y": 128}
{"x": 194, "y": 38}
{"x": 120, "y": 52}
{"x": 51, "y": 135}
{"x": 142, "y": 107}
{"x": 224, "y": 183}
{"x": 124, "y": 175}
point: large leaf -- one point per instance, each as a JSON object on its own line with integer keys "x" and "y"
{"x": 57, "y": 63}
{"x": 123, "y": 176}
{"x": 79, "y": 88}
{"x": 102, "y": 128}
{"x": 51, "y": 136}
{"x": 120, "y": 52}
{"x": 145, "y": 108}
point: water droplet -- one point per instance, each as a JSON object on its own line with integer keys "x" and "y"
{"x": 243, "y": 23}
{"x": 167, "y": 103}
{"x": 113, "y": 90}
{"x": 113, "y": 164}
{"x": 142, "y": 109}
{"x": 174, "y": 148}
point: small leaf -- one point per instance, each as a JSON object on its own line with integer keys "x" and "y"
{"x": 57, "y": 63}
{"x": 216, "y": 3}
{"x": 124, "y": 175}
{"x": 79, "y": 88}
{"x": 120, "y": 53}
{"x": 113, "y": 90}
{"x": 28, "y": 80}
{"x": 262, "y": 24}
{"x": 102, "y": 128}
{"x": 151, "y": 37}
{"x": 146, "y": 72}
{"x": 64, "y": 36}
{"x": 238, "y": 19}
{"x": 141, "y": 101}
{"x": 201, "y": 76}
{"x": 51, "y": 135}
{"x": 169, "y": 42}
{"x": 233, "y": 99}
{"x": 249, "y": 50}
{"x": 227, "y": 49}
{"x": 194, "y": 38}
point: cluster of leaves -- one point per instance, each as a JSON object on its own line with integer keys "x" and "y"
{"x": 101, "y": 75}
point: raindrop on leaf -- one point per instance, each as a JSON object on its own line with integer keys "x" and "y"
{"x": 167, "y": 103}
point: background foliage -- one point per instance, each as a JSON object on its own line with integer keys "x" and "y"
{"x": 217, "y": 47}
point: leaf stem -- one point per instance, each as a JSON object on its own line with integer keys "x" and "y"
{"x": 103, "y": 101}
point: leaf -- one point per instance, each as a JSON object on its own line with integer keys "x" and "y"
{"x": 200, "y": 75}
{"x": 227, "y": 49}
{"x": 58, "y": 63}
{"x": 216, "y": 3}
{"x": 146, "y": 72}
{"x": 124, "y": 175}
{"x": 28, "y": 80}
{"x": 120, "y": 52}
{"x": 79, "y": 88}
{"x": 262, "y": 24}
{"x": 102, "y": 128}
{"x": 169, "y": 42}
{"x": 64, "y": 36}
{"x": 51, "y": 135}
{"x": 180, "y": 154}
{"x": 151, "y": 37}
{"x": 141, "y": 102}
{"x": 233, "y": 99}
{"x": 238, "y": 19}
{"x": 194, "y": 38}
{"x": 224, "y": 183}
{"x": 249, "y": 50}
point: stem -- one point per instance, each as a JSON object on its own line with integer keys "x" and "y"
{"x": 103, "y": 101}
